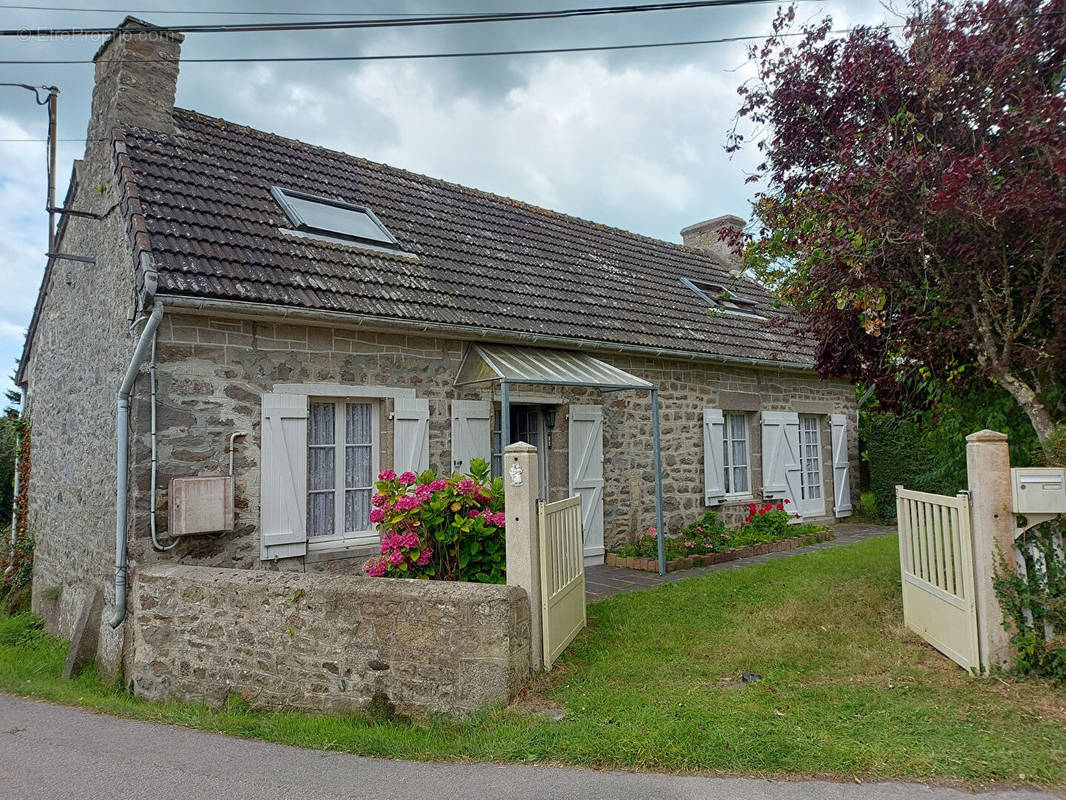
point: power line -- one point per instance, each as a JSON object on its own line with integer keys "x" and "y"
{"x": 422, "y": 56}
{"x": 478, "y": 53}
{"x": 391, "y": 22}
{"x": 227, "y": 13}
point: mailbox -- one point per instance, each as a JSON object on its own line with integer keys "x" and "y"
{"x": 1038, "y": 490}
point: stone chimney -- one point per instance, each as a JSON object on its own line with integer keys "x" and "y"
{"x": 704, "y": 236}
{"x": 136, "y": 78}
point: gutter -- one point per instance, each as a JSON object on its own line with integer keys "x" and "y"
{"x": 466, "y": 332}
{"x": 122, "y": 460}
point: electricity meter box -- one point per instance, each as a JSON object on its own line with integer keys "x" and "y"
{"x": 200, "y": 505}
{"x": 1038, "y": 490}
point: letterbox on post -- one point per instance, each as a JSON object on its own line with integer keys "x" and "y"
{"x": 1038, "y": 490}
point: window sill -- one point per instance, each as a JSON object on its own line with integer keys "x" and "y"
{"x": 738, "y": 498}
{"x": 342, "y": 548}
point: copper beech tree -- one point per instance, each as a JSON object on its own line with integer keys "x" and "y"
{"x": 914, "y": 202}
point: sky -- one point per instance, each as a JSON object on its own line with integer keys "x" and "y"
{"x": 632, "y": 139}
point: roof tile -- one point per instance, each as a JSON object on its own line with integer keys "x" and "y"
{"x": 482, "y": 260}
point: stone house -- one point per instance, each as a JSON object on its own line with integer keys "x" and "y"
{"x": 301, "y": 318}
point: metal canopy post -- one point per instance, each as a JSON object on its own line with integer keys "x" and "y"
{"x": 660, "y": 531}
{"x": 505, "y": 415}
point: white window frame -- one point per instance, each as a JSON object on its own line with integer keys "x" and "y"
{"x": 803, "y": 445}
{"x": 345, "y": 539}
{"x": 727, "y": 455}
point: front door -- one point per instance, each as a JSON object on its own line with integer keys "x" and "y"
{"x": 811, "y": 502}
{"x": 527, "y": 425}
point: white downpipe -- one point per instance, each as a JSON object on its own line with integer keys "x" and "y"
{"x": 15, "y": 497}
{"x": 155, "y": 460}
{"x": 122, "y": 460}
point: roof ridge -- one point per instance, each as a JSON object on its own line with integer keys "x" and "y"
{"x": 599, "y": 226}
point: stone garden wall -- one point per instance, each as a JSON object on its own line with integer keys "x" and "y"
{"x": 326, "y": 643}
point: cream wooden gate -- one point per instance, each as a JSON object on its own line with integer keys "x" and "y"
{"x": 562, "y": 574}
{"x": 936, "y": 559}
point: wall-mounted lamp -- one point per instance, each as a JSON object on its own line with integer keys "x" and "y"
{"x": 549, "y": 422}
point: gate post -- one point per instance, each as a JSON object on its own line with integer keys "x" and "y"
{"x": 988, "y": 474}
{"x": 521, "y": 488}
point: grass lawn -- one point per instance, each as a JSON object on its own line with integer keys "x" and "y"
{"x": 654, "y": 684}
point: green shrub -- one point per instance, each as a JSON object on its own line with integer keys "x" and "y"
{"x": 708, "y": 534}
{"x": 8, "y": 444}
{"x": 925, "y": 449}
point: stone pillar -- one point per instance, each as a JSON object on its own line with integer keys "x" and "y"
{"x": 521, "y": 488}
{"x": 988, "y": 473}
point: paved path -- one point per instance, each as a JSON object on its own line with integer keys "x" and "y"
{"x": 55, "y": 753}
{"x": 603, "y": 581}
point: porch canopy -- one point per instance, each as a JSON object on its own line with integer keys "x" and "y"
{"x": 507, "y": 364}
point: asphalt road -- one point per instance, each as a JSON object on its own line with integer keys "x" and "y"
{"x": 53, "y": 752}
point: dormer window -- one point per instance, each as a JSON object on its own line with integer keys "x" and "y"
{"x": 720, "y": 298}
{"x": 333, "y": 219}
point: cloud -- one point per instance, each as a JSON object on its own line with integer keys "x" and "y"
{"x": 15, "y": 333}
{"x": 631, "y": 139}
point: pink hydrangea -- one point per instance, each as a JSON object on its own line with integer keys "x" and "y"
{"x": 375, "y": 567}
{"x": 499, "y": 520}
{"x": 396, "y": 557}
{"x": 422, "y": 491}
{"x": 465, "y": 486}
{"x": 438, "y": 486}
{"x": 379, "y": 501}
{"x": 409, "y": 540}
{"x": 424, "y": 557}
{"x": 473, "y": 513}
{"x": 377, "y": 515}
{"x": 408, "y": 478}
{"x": 407, "y": 502}
{"x": 690, "y": 544}
{"x": 386, "y": 475}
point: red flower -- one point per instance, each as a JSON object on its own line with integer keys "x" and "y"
{"x": 787, "y": 500}
{"x": 780, "y": 507}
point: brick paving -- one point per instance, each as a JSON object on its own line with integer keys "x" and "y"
{"x": 603, "y": 581}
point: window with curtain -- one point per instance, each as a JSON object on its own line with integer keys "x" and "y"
{"x": 735, "y": 458}
{"x": 341, "y": 464}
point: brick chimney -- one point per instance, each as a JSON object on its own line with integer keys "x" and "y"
{"x": 704, "y": 236}
{"x": 136, "y": 78}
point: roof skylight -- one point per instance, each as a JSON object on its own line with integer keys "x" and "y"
{"x": 334, "y": 219}
{"x": 719, "y": 297}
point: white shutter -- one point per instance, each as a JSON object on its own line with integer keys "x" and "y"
{"x": 410, "y": 435}
{"x": 470, "y": 432}
{"x": 586, "y": 475}
{"x": 838, "y": 426}
{"x": 780, "y": 456}
{"x": 713, "y": 454}
{"x": 283, "y": 470}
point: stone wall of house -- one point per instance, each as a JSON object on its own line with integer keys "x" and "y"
{"x": 685, "y": 389}
{"x": 78, "y": 356}
{"x": 213, "y": 370}
{"x": 326, "y": 643}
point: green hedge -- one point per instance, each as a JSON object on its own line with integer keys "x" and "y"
{"x": 926, "y": 450}
{"x": 895, "y": 456}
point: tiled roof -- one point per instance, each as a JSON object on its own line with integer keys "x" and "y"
{"x": 482, "y": 260}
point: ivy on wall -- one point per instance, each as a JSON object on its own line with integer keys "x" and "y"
{"x": 1036, "y": 601}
